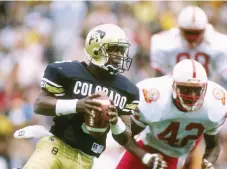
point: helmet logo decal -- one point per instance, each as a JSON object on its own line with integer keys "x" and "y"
{"x": 219, "y": 95}
{"x": 97, "y": 36}
{"x": 151, "y": 95}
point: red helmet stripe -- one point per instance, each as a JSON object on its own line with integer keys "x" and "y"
{"x": 193, "y": 15}
{"x": 193, "y": 69}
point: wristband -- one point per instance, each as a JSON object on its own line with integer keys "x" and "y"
{"x": 64, "y": 107}
{"x": 146, "y": 158}
{"x": 118, "y": 128}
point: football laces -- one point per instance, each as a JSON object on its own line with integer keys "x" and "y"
{"x": 91, "y": 119}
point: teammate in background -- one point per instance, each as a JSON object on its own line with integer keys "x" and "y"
{"x": 176, "y": 111}
{"x": 68, "y": 90}
{"x": 193, "y": 38}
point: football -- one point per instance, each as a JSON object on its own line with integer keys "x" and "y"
{"x": 98, "y": 124}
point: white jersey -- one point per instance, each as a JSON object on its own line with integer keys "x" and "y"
{"x": 169, "y": 47}
{"x": 170, "y": 130}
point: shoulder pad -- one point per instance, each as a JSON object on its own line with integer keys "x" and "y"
{"x": 216, "y": 101}
{"x": 214, "y": 38}
{"x": 73, "y": 69}
{"x": 216, "y": 92}
{"x": 53, "y": 81}
{"x": 123, "y": 83}
{"x": 154, "y": 97}
{"x": 60, "y": 63}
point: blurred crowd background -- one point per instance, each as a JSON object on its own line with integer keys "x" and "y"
{"x": 33, "y": 34}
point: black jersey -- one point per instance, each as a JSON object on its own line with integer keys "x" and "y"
{"x": 72, "y": 80}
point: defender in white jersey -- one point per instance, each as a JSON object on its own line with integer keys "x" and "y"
{"x": 193, "y": 38}
{"x": 176, "y": 111}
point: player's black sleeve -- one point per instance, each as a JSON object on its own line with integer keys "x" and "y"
{"x": 52, "y": 80}
{"x": 131, "y": 105}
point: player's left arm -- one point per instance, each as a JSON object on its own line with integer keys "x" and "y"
{"x": 120, "y": 122}
{"x": 212, "y": 148}
{"x": 211, "y": 135}
{"x": 151, "y": 160}
{"x": 120, "y": 126}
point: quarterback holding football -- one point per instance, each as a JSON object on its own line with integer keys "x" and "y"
{"x": 82, "y": 115}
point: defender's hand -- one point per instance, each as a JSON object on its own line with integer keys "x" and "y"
{"x": 113, "y": 114}
{"x": 154, "y": 161}
{"x": 207, "y": 165}
{"x": 87, "y": 104}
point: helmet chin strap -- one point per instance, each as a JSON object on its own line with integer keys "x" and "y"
{"x": 111, "y": 69}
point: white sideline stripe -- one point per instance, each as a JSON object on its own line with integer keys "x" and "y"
{"x": 98, "y": 130}
{"x": 139, "y": 123}
{"x": 54, "y": 84}
{"x": 61, "y": 94}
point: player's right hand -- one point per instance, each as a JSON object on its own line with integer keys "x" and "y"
{"x": 154, "y": 161}
{"x": 87, "y": 104}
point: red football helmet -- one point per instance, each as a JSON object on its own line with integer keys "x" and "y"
{"x": 192, "y": 22}
{"x": 189, "y": 86}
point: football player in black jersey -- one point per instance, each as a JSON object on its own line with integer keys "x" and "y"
{"x": 68, "y": 90}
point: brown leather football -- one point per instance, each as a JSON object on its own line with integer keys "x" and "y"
{"x": 98, "y": 125}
